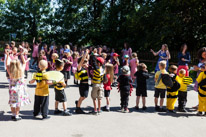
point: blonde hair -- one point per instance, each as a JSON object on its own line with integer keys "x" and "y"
{"x": 104, "y": 55}
{"x": 182, "y": 71}
{"x": 110, "y": 70}
{"x": 166, "y": 47}
{"x": 134, "y": 55}
{"x": 67, "y": 46}
{"x": 172, "y": 68}
{"x": 43, "y": 64}
{"x": 163, "y": 64}
{"x": 15, "y": 69}
{"x": 55, "y": 55}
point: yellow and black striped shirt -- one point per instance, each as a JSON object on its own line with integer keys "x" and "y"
{"x": 98, "y": 73}
{"x": 83, "y": 75}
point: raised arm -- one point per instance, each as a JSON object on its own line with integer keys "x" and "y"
{"x": 33, "y": 40}
{"x": 79, "y": 67}
{"x": 7, "y": 62}
{"x": 155, "y": 53}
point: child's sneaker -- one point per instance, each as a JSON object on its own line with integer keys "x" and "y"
{"x": 122, "y": 110}
{"x": 56, "y": 112}
{"x": 79, "y": 111}
{"x": 144, "y": 108}
{"x": 94, "y": 112}
{"x": 66, "y": 113}
{"x": 157, "y": 108}
{"x": 171, "y": 111}
{"x": 45, "y": 118}
{"x": 99, "y": 112}
{"x": 162, "y": 110}
{"x": 17, "y": 118}
{"x": 183, "y": 110}
{"x": 136, "y": 107}
{"x": 199, "y": 113}
{"x": 126, "y": 110}
{"x": 105, "y": 109}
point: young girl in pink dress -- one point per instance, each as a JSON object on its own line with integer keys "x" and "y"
{"x": 133, "y": 65}
{"x": 35, "y": 51}
{"x": 27, "y": 63}
{"x": 75, "y": 64}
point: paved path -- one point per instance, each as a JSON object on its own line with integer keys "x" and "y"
{"x": 108, "y": 124}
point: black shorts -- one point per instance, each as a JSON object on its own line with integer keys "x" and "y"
{"x": 142, "y": 93}
{"x": 106, "y": 93}
{"x": 7, "y": 74}
{"x": 84, "y": 89}
{"x": 60, "y": 95}
{"x": 67, "y": 74}
{"x": 159, "y": 93}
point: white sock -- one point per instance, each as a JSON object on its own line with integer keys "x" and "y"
{"x": 17, "y": 116}
{"x": 107, "y": 106}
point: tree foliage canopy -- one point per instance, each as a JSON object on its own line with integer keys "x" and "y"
{"x": 143, "y": 23}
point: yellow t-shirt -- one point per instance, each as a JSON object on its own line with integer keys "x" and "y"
{"x": 160, "y": 85}
{"x": 199, "y": 79}
{"x": 42, "y": 88}
{"x": 183, "y": 87}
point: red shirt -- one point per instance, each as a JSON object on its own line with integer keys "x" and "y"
{"x": 107, "y": 86}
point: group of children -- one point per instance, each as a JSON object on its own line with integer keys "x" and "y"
{"x": 103, "y": 71}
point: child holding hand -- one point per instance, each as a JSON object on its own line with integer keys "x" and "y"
{"x": 182, "y": 92}
{"x": 41, "y": 101}
{"x": 60, "y": 96}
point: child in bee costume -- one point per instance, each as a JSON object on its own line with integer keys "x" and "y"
{"x": 41, "y": 101}
{"x": 172, "y": 92}
{"x": 202, "y": 93}
{"x": 182, "y": 92}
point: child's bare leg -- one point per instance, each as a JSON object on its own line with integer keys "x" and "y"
{"x": 161, "y": 102}
{"x": 56, "y": 105}
{"x": 143, "y": 101}
{"x": 17, "y": 111}
{"x": 156, "y": 101}
{"x": 137, "y": 101}
{"x": 13, "y": 111}
{"x": 99, "y": 104}
{"x": 80, "y": 101}
{"x": 107, "y": 100}
{"x": 64, "y": 106}
{"x": 95, "y": 105}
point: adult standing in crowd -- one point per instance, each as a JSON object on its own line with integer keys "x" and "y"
{"x": 163, "y": 54}
{"x": 126, "y": 51}
{"x": 183, "y": 59}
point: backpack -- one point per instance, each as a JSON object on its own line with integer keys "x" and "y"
{"x": 167, "y": 80}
